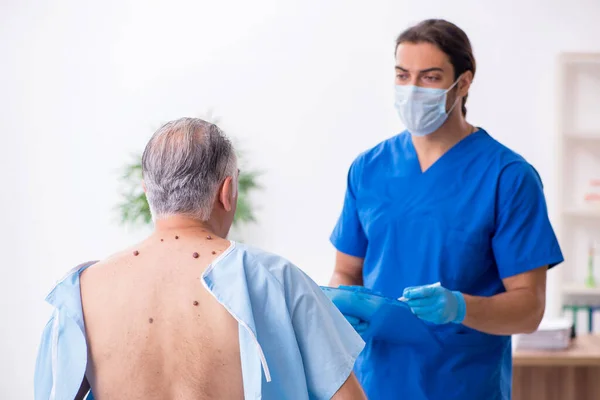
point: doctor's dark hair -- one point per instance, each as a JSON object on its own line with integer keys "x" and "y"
{"x": 449, "y": 38}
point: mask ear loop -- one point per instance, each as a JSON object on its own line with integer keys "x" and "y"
{"x": 454, "y": 84}
{"x": 456, "y": 100}
{"x": 453, "y": 105}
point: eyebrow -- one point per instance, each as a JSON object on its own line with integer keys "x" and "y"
{"x": 421, "y": 71}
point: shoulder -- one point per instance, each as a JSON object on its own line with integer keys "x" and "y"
{"x": 269, "y": 267}
{"x": 519, "y": 179}
{"x": 68, "y": 280}
{"x": 69, "y": 284}
{"x": 507, "y": 164}
{"x": 512, "y": 166}
{"x": 514, "y": 176}
{"x": 497, "y": 152}
{"x": 274, "y": 265}
{"x": 383, "y": 150}
{"x": 395, "y": 150}
{"x": 106, "y": 265}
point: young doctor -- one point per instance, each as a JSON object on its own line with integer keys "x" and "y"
{"x": 444, "y": 202}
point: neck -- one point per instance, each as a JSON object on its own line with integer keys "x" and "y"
{"x": 179, "y": 223}
{"x": 453, "y": 131}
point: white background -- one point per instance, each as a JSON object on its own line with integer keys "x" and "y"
{"x": 304, "y": 85}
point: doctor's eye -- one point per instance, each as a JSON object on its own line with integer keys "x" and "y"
{"x": 402, "y": 76}
{"x": 431, "y": 78}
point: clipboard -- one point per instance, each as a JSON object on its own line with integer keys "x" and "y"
{"x": 389, "y": 319}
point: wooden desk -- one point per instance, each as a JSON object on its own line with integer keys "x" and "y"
{"x": 571, "y": 374}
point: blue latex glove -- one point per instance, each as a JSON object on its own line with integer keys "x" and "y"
{"x": 436, "y": 304}
{"x": 358, "y": 324}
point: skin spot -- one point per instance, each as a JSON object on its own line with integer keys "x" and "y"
{"x": 136, "y": 253}
{"x": 195, "y": 303}
{"x": 214, "y": 252}
{"x": 162, "y": 240}
{"x": 151, "y": 320}
{"x": 176, "y": 237}
{"x": 195, "y": 255}
{"x": 209, "y": 237}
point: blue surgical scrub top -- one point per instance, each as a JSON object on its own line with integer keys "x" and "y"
{"x": 476, "y": 216}
{"x": 294, "y": 343}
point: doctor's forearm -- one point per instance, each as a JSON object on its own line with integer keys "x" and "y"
{"x": 516, "y": 311}
{"x": 341, "y": 278}
{"x": 347, "y": 270}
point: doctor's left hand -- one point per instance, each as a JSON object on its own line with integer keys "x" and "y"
{"x": 358, "y": 324}
{"x": 436, "y": 304}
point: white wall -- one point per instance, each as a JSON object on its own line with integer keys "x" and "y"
{"x": 306, "y": 86}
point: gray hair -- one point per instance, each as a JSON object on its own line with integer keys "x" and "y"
{"x": 184, "y": 165}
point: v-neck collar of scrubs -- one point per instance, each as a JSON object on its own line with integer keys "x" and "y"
{"x": 447, "y": 158}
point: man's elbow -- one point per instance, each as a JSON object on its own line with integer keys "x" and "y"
{"x": 350, "y": 390}
{"x": 535, "y": 316}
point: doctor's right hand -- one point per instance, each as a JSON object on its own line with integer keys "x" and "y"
{"x": 358, "y": 324}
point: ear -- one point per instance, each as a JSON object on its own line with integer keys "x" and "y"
{"x": 464, "y": 84}
{"x": 226, "y": 194}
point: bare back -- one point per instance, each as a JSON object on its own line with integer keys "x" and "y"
{"x": 153, "y": 330}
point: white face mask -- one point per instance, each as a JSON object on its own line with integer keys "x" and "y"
{"x": 422, "y": 110}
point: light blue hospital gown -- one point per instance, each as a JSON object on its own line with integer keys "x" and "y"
{"x": 294, "y": 343}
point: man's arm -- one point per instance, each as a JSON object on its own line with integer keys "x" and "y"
{"x": 519, "y": 310}
{"x": 347, "y": 271}
{"x": 328, "y": 344}
{"x": 350, "y": 390}
{"x": 348, "y": 237}
{"x": 523, "y": 240}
